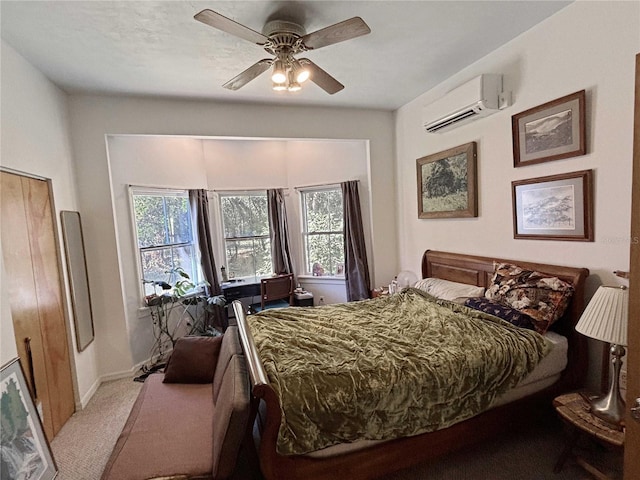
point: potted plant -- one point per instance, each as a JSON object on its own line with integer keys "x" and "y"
{"x": 183, "y": 308}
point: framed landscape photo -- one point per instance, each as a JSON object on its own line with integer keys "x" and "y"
{"x": 447, "y": 185}
{"x": 25, "y": 450}
{"x": 557, "y": 207}
{"x": 550, "y": 131}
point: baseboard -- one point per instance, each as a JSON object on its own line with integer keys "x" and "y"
{"x": 84, "y": 401}
{"x": 119, "y": 375}
{"x": 150, "y": 361}
{"x": 88, "y": 395}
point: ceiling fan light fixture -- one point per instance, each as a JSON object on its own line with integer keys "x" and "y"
{"x": 283, "y": 39}
{"x": 294, "y": 87}
{"x": 292, "y": 84}
{"x": 279, "y": 72}
{"x": 300, "y": 73}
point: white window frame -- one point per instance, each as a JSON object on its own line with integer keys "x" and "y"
{"x": 163, "y": 192}
{"x": 304, "y": 233}
{"x": 240, "y": 193}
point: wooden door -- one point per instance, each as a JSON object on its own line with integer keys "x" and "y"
{"x": 632, "y": 439}
{"x": 31, "y": 262}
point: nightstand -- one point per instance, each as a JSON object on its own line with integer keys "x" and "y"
{"x": 573, "y": 409}
{"x": 303, "y": 299}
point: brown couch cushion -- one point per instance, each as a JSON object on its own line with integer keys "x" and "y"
{"x": 230, "y": 347}
{"x": 231, "y": 417}
{"x": 193, "y": 360}
{"x": 166, "y": 433}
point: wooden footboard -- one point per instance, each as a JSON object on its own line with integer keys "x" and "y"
{"x": 383, "y": 458}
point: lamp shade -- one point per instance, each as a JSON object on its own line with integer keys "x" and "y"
{"x": 406, "y": 278}
{"x": 605, "y": 318}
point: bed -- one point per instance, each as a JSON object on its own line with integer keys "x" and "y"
{"x": 371, "y": 459}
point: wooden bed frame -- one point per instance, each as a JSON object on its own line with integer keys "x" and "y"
{"x": 382, "y": 458}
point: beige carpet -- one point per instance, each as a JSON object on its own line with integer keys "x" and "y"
{"x": 84, "y": 444}
{"x": 81, "y": 449}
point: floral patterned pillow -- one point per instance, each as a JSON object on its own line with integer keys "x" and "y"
{"x": 540, "y": 296}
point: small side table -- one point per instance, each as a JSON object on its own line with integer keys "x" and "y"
{"x": 574, "y": 409}
{"x": 303, "y": 299}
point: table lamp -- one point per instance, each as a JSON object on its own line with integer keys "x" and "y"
{"x": 406, "y": 278}
{"x": 605, "y": 319}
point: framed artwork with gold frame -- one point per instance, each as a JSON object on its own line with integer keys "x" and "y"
{"x": 447, "y": 183}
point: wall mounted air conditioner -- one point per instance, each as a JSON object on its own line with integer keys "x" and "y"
{"x": 477, "y": 98}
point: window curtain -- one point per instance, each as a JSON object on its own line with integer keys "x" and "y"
{"x": 200, "y": 207}
{"x": 356, "y": 268}
{"x": 278, "y": 232}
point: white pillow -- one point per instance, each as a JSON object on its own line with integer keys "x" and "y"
{"x": 447, "y": 290}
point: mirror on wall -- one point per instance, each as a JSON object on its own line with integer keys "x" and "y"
{"x": 78, "y": 278}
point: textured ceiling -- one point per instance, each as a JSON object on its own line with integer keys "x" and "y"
{"x": 156, "y": 47}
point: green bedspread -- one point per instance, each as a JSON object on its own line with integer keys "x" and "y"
{"x": 393, "y": 366}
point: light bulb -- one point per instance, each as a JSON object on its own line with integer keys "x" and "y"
{"x": 293, "y": 86}
{"x": 279, "y": 73}
{"x": 300, "y": 73}
{"x": 278, "y": 87}
{"x": 302, "y": 76}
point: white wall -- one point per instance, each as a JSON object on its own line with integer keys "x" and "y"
{"x": 35, "y": 141}
{"x": 93, "y": 117}
{"x": 168, "y": 162}
{"x": 587, "y": 45}
{"x": 254, "y": 164}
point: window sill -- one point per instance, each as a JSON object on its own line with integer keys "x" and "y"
{"x": 310, "y": 279}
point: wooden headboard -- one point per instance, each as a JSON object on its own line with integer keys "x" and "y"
{"x": 478, "y": 271}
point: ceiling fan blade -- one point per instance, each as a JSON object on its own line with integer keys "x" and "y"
{"x": 249, "y": 74}
{"x": 215, "y": 20}
{"x": 322, "y": 78}
{"x": 346, "y": 30}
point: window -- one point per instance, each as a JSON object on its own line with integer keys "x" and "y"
{"x": 322, "y": 231}
{"x": 165, "y": 236}
{"x": 247, "y": 245}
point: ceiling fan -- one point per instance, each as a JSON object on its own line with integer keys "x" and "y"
{"x": 284, "y": 40}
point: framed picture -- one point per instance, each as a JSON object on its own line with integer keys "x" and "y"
{"x": 557, "y": 207}
{"x": 447, "y": 183}
{"x": 25, "y": 450}
{"x": 550, "y": 131}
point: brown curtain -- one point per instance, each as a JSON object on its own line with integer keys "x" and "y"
{"x": 279, "y": 232}
{"x": 356, "y": 268}
{"x": 200, "y": 208}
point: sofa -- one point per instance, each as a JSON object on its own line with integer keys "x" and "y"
{"x": 190, "y": 421}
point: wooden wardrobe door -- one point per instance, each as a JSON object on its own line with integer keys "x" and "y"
{"x": 632, "y": 439}
{"x": 35, "y": 293}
